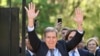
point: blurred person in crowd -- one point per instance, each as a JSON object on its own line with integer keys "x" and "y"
{"x": 58, "y": 24}
{"x": 51, "y": 46}
{"x": 29, "y": 49}
{"x": 95, "y": 37}
{"x": 92, "y": 46}
{"x": 76, "y": 51}
{"x": 81, "y": 44}
{"x": 64, "y": 31}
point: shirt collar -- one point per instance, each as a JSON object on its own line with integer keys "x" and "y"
{"x": 30, "y": 52}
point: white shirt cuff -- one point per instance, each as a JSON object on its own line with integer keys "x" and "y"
{"x": 81, "y": 32}
{"x": 30, "y": 29}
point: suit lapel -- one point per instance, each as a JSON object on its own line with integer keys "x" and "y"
{"x": 60, "y": 48}
{"x": 45, "y": 48}
{"x": 80, "y": 52}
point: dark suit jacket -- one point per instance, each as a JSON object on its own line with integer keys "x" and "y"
{"x": 40, "y": 48}
{"x": 97, "y": 52}
{"x": 83, "y": 52}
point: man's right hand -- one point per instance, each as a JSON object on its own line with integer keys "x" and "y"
{"x": 31, "y": 13}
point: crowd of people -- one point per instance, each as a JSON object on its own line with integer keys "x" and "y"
{"x": 71, "y": 42}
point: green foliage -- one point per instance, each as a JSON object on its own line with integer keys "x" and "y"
{"x": 50, "y": 10}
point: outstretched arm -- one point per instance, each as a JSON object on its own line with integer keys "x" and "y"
{"x": 34, "y": 40}
{"x": 31, "y": 13}
{"x": 79, "y": 34}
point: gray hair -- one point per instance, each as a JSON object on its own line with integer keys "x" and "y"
{"x": 50, "y": 29}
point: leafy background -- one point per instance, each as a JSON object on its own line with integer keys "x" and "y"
{"x": 50, "y": 10}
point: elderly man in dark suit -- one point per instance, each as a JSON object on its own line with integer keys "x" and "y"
{"x": 51, "y": 46}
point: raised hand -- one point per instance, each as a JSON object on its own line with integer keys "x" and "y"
{"x": 31, "y": 13}
{"x": 58, "y": 26}
{"x": 79, "y": 18}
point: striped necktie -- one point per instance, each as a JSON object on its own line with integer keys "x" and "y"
{"x": 52, "y": 52}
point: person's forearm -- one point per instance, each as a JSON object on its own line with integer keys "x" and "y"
{"x": 79, "y": 27}
{"x": 31, "y": 23}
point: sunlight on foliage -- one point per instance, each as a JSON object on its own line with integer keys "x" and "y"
{"x": 3, "y": 3}
{"x": 50, "y": 10}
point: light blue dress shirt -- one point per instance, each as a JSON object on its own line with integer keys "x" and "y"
{"x": 56, "y": 52}
{"x": 76, "y": 52}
